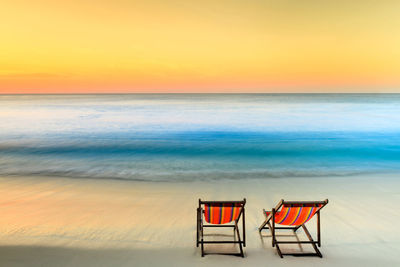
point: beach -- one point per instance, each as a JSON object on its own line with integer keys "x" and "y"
{"x": 114, "y": 180}
{"x": 55, "y": 221}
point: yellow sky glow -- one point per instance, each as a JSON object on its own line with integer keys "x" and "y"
{"x": 125, "y": 46}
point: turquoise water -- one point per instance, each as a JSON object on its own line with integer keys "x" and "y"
{"x": 184, "y": 137}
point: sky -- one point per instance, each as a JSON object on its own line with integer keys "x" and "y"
{"x": 209, "y": 46}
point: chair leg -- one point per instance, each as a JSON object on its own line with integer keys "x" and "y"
{"x": 279, "y": 250}
{"x": 197, "y": 229}
{"x": 273, "y": 228}
{"x": 319, "y": 229}
{"x": 202, "y": 237}
{"x": 202, "y": 243}
{"x": 311, "y": 239}
{"x": 240, "y": 243}
{"x": 272, "y": 235}
{"x": 244, "y": 229}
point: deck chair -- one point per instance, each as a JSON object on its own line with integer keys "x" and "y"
{"x": 219, "y": 214}
{"x": 293, "y": 215}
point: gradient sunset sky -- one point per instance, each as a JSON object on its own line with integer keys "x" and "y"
{"x": 126, "y": 46}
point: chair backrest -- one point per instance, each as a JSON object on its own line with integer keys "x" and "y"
{"x": 221, "y": 212}
{"x": 297, "y": 213}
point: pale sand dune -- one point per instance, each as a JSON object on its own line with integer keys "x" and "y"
{"x": 74, "y": 222}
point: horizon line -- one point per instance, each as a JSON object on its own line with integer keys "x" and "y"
{"x": 208, "y": 93}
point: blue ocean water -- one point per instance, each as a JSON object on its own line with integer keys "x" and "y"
{"x": 185, "y": 137}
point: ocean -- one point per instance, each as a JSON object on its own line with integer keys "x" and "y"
{"x": 188, "y": 137}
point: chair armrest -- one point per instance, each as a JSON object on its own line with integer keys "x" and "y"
{"x": 265, "y": 213}
{"x": 279, "y": 205}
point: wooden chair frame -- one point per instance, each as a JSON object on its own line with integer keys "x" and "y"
{"x": 270, "y": 221}
{"x": 200, "y": 227}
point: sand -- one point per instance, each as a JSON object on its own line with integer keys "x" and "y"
{"x": 53, "y": 221}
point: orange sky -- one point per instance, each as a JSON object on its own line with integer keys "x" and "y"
{"x": 123, "y": 46}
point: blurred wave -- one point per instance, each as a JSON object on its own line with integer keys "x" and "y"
{"x": 190, "y": 137}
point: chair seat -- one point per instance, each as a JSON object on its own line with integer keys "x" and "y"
{"x": 221, "y": 213}
{"x": 294, "y": 215}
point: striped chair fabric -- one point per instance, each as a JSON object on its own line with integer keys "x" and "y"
{"x": 296, "y": 215}
{"x": 221, "y": 213}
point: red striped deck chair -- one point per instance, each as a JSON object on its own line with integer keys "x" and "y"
{"x": 221, "y": 214}
{"x": 292, "y": 215}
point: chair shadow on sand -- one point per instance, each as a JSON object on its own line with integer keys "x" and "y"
{"x": 222, "y": 249}
{"x": 264, "y": 237}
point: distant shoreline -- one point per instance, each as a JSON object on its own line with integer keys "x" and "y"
{"x": 304, "y": 93}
